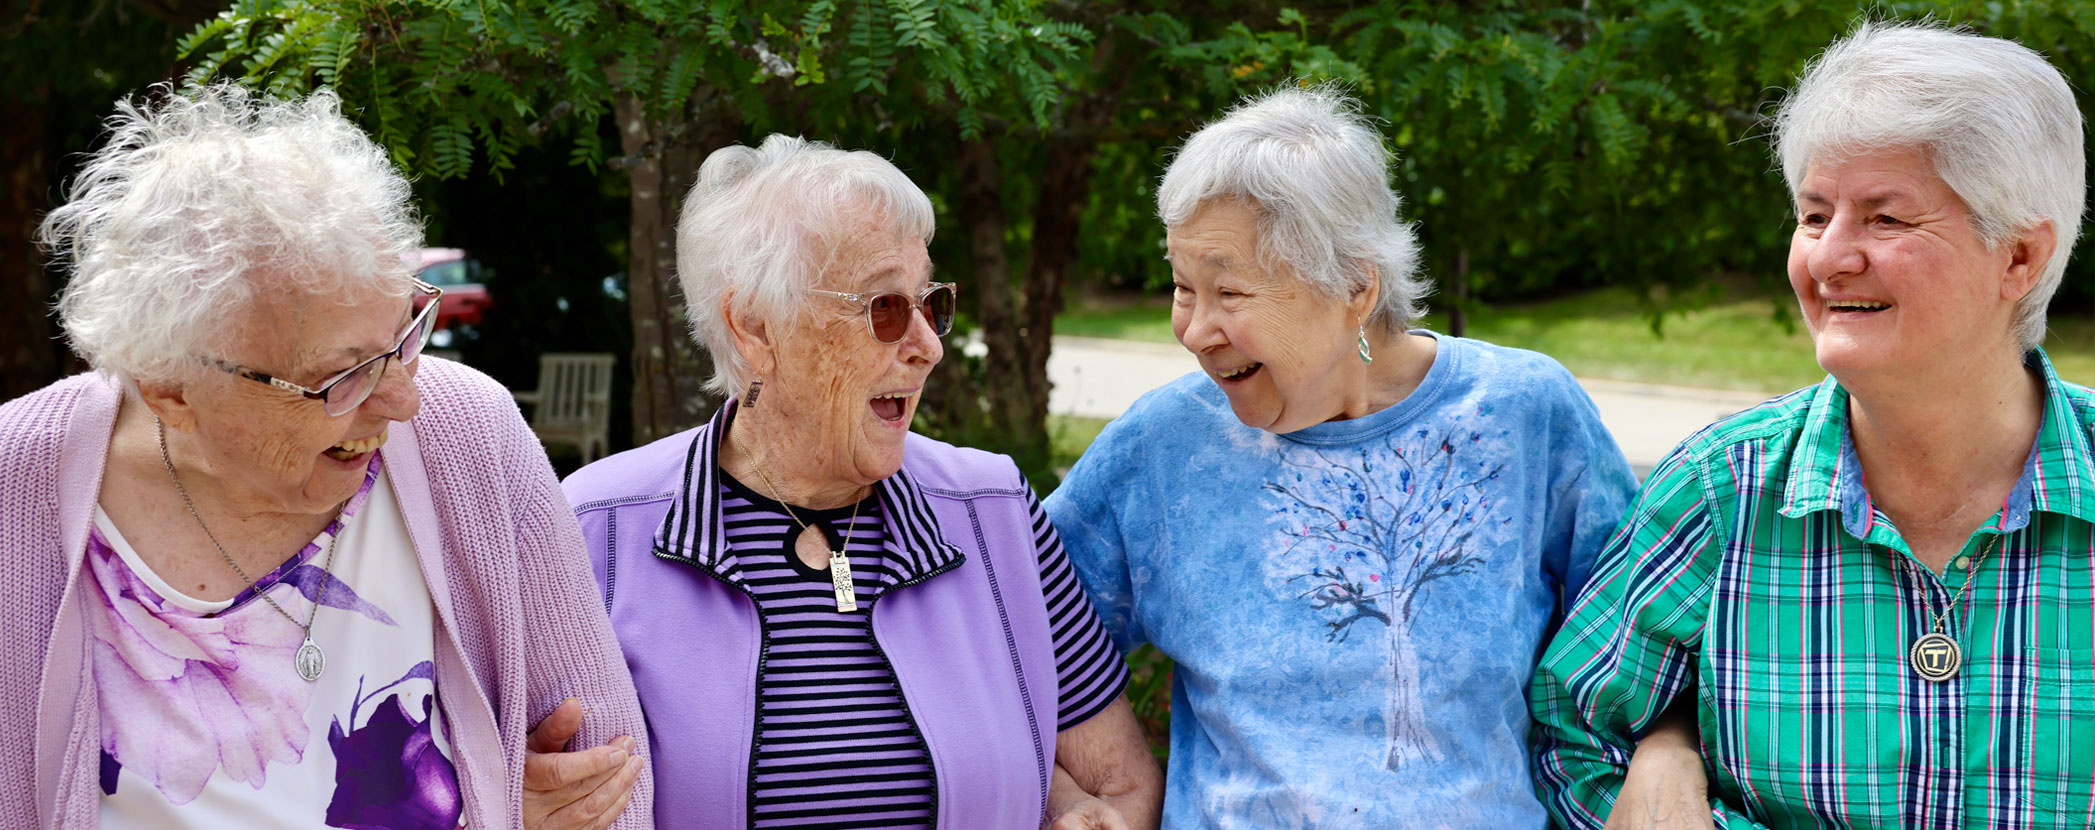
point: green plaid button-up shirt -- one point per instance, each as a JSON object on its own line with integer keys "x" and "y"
{"x": 1754, "y": 571}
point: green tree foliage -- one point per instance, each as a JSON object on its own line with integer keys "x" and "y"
{"x": 451, "y": 85}
{"x": 1541, "y": 147}
{"x": 1562, "y": 146}
{"x": 448, "y": 84}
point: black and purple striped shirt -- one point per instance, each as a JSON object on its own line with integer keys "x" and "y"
{"x": 836, "y": 744}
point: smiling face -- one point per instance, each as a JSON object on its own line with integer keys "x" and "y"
{"x": 842, "y": 400}
{"x": 1278, "y": 347}
{"x": 1890, "y": 271}
{"x": 279, "y": 450}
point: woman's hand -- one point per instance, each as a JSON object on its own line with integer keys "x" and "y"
{"x": 1104, "y": 774}
{"x": 1071, "y": 808}
{"x": 581, "y": 790}
{"x": 1666, "y": 788}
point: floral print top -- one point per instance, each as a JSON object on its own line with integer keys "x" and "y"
{"x": 206, "y": 722}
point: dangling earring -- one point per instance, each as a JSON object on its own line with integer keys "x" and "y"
{"x": 756, "y": 387}
{"x": 1364, "y": 356}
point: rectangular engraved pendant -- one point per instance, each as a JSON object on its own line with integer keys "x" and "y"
{"x": 840, "y": 579}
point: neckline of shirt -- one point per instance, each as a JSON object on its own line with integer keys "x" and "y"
{"x": 375, "y": 480}
{"x": 1431, "y": 389}
{"x": 863, "y": 507}
{"x": 865, "y": 533}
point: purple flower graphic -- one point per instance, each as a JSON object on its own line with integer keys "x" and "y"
{"x": 389, "y": 773}
{"x": 109, "y": 770}
{"x": 205, "y": 693}
{"x": 189, "y": 709}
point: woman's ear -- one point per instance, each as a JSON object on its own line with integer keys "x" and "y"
{"x": 752, "y": 336}
{"x": 2028, "y": 253}
{"x": 1366, "y": 297}
{"x": 168, "y": 401}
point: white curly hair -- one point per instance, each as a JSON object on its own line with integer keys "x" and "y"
{"x": 209, "y": 197}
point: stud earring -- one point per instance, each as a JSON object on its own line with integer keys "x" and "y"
{"x": 756, "y": 387}
{"x": 1364, "y": 356}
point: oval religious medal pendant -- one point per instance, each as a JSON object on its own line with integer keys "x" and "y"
{"x": 310, "y": 661}
{"x": 1936, "y": 657}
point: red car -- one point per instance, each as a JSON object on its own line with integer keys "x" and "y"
{"x": 466, "y": 300}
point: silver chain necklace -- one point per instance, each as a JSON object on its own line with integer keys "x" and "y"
{"x": 310, "y": 660}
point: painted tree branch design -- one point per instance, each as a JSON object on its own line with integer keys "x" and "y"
{"x": 1375, "y": 530}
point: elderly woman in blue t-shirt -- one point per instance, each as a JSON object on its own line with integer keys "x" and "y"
{"x": 1352, "y": 536}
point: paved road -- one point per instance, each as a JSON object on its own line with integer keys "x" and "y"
{"x": 1100, "y": 378}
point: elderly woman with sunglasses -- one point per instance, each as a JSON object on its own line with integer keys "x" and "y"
{"x": 832, "y": 621}
{"x": 267, "y": 568}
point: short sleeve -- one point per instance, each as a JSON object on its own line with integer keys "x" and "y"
{"x": 1590, "y": 487}
{"x": 1085, "y": 514}
{"x": 1090, "y": 670}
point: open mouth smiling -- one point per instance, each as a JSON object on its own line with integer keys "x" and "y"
{"x": 350, "y": 450}
{"x": 1240, "y": 373}
{"x": 1855, "y": 306}
{"x": 891, "y": 407}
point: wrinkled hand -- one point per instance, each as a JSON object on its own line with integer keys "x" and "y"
{"x": 1088, "y": 814}
{"x": 580, "y": 790}
{"x": 1666, "y": 788}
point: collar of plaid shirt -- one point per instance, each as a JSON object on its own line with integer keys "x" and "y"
{"x": 1824, "y": 473}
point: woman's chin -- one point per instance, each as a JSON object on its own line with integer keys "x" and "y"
{"x": 1257, "y": 414}
{"x": 1847, "y": 360}
{"x": 880, "y": 456}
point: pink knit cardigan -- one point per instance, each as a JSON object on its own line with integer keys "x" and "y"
{"x": 519, "y": 624}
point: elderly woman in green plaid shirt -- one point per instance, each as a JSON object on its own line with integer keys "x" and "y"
{"x": 1878, "y": 592}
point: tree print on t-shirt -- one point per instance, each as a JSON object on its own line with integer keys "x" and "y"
{"x": 1369, "y": 533}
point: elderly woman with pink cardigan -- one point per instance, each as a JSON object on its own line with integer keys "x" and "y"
{"x": 265, "y": 567}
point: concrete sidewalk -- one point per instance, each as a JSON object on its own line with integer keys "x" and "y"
{"x": 1097, "y": 378}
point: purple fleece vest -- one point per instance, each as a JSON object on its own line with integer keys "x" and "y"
{"x": 970, "y": 642}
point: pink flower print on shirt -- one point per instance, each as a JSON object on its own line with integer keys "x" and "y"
{"x": 199, "y": 693}
{"x": 184, "y": 669}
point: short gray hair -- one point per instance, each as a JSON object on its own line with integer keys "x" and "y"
{"x": 1999, "y": 122}
{"x": 1316, "y": 171}
{"x": 170, "y": 220}
{"x": 762, "y": 223}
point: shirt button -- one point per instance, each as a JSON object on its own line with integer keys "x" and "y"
{"x": 1963, "y": 563}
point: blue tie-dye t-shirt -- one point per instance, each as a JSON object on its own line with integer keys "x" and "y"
{"x": 1355, "y": 608}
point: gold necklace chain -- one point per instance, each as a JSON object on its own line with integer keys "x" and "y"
{"x": 1970, "y": 577}
{"x": 309, "y": 661}
{"x": 840, "y": 582}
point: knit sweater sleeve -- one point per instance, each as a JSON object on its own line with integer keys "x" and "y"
{"x": 568, "y": 647}
{"x": 33, "y": 433}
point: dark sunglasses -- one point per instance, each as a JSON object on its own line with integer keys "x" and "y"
{"x": 888, "y": 312}
{"x": 346, "y": 390}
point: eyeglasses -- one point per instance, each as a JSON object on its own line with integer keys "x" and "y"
{"x": 346, "y": 390}
{"x": 888, "y": 312}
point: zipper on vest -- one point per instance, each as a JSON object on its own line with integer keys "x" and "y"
{"x": 756, "y": 716}
{"x": 756, "y": 711}
{"x": 930, "y": 761}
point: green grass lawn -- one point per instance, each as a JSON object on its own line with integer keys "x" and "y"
{"x": 1750, "y": 343}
